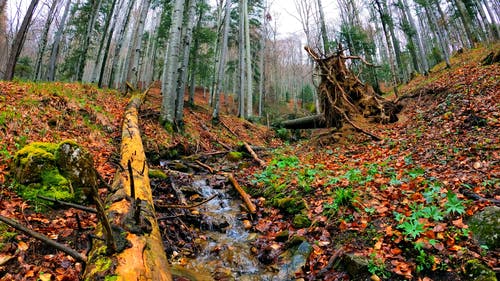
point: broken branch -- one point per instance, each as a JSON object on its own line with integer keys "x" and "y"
{"x": 246, "y": 198}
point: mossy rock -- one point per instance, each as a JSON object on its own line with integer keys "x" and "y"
{"x": 62, "y": 171}
{"x": 476, "y": 271}
{"x": 301, "y": 221}
{"x": 157, "y": 174}
{"x": 291, "y": 205}
{"x": 234, "y": 156}
{"x": 485, "y": 226}
{"x": 32, "y": 160}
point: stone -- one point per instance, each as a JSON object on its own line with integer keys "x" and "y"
{"x": 355, "y": 266}
{"x": 485, "y": 227}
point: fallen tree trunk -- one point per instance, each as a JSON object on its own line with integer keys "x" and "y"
{"x": 130, "y": 210}
{"x": 309, "y": 122}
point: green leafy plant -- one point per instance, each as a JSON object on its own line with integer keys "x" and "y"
{"x": 454, "y": 204}
{"x": 412, "y": 228}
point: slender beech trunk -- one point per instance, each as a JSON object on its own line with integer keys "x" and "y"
{"x": 107, "y": 33}
{"x": 241, "y": 51}
{"x": 420, "y": 47}
{"x": 195, "y": 60}
{"x": 18, "y": 43}
{"x": 43, "y": 40}
{"x": 464, "y": 17}
{"x": 324, "y": 35}
{"x": 389, "y": 46}
{"x": 87, "y": 39}
{"x": 119, "y": 44}
{"x": 133, "y": 65}
{"x": 183, "y": 70}
{"x": 263, "y": 37}
{"x": 222, "y": 62}
{"x": 55, "y": 46}
{"x": 169, "y": 79}
{"x": 248, "y": 63}
{"x": 3, "y": 36}
{"x": 432, "y": 21}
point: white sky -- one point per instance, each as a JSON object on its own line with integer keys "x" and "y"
{"x": 285, "y": 13}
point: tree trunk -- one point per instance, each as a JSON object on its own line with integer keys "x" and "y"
{"x": 135, "y": 50}
{"x": 263, "y": 38}
{"x": 195, "y": 61}
{"x": 119, "y": 44}
{"x": 131, "y": 211}
{"x": 183, "y": 70}
{"x": 309, "y": 122}
{"x": 222, "y": 62}
{"x": 169, "y": 79}
{"x": 3, "y": 36}
{"x": 466, "y": 23}
{"x": 87, "y": 40}
{"x": 494, "y": 25}
{"x": 43, "y": 40}
{"x": 324, "y": 35}
{"x": 433, "y": 23}
{"x": 107, "y": 33}
{"x": 55, "y": 46}
{"x": 420, "y": 47}
{"x": 249, "y": 73}
{"x": 18, "y": 43}
{"x": 241, "y": 60}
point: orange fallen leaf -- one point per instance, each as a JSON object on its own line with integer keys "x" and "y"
{"x": 22, "y": 246}
{"x": 459, "y": 223}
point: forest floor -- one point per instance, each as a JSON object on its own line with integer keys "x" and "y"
{"x": 401, "y": 203}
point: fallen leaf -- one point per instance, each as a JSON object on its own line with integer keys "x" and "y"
{"x": 4, "y": 258}
{"x": 22, "y": 246}
{"x": 45, "y": 276}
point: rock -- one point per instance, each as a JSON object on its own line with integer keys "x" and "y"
{"x": 485, "y": 226}
{"x": 294, "y": 260}
{"x": 63, "y": 171}
{"x": 476, "y": 271}
{"x": 77, "y": 165}
{"x": 355, "y": 266}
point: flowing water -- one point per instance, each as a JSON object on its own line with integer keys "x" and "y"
{"x": 227, "y": 253}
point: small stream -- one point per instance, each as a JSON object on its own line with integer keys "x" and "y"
{"x": 211, "y": 240}
{"x": 226, "y": 246}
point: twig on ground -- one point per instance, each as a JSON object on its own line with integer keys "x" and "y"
{"x": 68, "y": 204}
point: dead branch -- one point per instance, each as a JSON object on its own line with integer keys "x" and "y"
{"x": 204, "y": 166}
{"x": 68, "y": 204}
{"x": 246, "y": 198}
{"x": 169, "y": 206}
{"x": 44, "y": 239}
{"x": 254, "y": 155}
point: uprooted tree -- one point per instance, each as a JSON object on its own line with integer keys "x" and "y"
{"x": 344, "y": 99}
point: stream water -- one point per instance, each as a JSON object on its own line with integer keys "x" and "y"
{"x": 226, "y": 246}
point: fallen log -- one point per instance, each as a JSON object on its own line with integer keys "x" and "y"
{"x": 308, "y": 122}
{"x": 246, "y": 198}
{"x": 254, "y": 155}
{"x": 130, "y": 209}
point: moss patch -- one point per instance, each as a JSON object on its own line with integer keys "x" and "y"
{"x": 37, "y": 171}
{"x": 291, "y": 205}
{"x": 301, "y": 221}
{"x": 234, "y": 156}
{"x": 157, "y": 174}
{"x": 475, "y": 270}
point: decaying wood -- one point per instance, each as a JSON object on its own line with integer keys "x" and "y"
{"x": 344, "y": 98}
{"x": 172, "y": 206}
{"x": 68, "y": 204}
{"x": 204, "y": 166}
{"x": 254, "y": 155}
{"x": 140, "y": 254}
{"x": 246, "y": 198}
{"x": 44, "y": 239}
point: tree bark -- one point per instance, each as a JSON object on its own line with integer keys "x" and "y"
{"x": 131, "y": 211}
{"x": 55, "y": 46}
{"x": 43, "y": 40}
{"x": 222, "y": 62}
{"x": 169, "y": 79}
{"x": 87, "y": 39}
{"x": 3, "y": 36}
{"x": 249, "y": 74}
{"x": 183, "y": 70}
{"x": 18, "y": 43}
{"x": 241, "y": 60}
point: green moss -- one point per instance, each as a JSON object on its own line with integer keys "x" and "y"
{"x": 52, "y": 177}
{"x": 475, "y": 270}
{"x": 301, "y": 221}
{"x": 103, "y": 263}
{"x": 111, "y": 278}
{"x": 234, "y": 156}
{"x": 157, "y": 174}
{"x": 291, "y": 205}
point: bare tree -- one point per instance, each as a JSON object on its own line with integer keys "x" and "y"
{"x": 3, "y": 36}
{"x": 18, "y": 43}
{"x": 43, "y": 40}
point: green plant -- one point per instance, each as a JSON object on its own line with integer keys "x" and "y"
{"x": 412, "y": 228}
{"x": 453, "y": 204}
{"x": 377, "y": 267}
